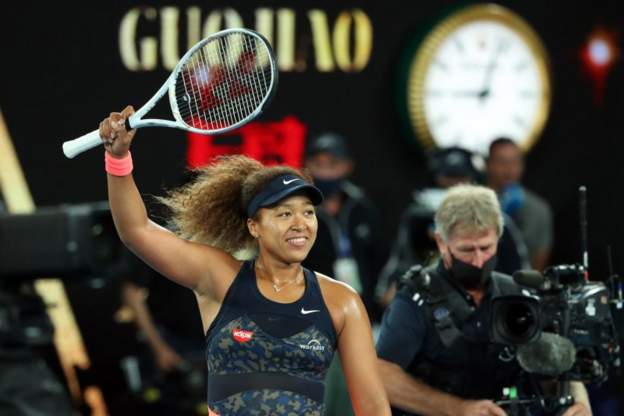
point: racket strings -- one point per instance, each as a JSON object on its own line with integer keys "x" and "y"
{"x": 224, "y": 82}
{"x": 247, "y": 90}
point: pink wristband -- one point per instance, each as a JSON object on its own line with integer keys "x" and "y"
{"x": 118, "y": 167}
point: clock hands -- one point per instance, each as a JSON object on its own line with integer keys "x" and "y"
{"x": 484, "y": 92}
{"x": 467, "y": 94}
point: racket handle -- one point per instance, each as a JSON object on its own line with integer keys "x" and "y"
{"x": 74, "y": 147}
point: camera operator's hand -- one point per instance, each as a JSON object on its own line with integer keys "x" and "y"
{"x": 480, "y": 408}
{"x": 578, "y": 409}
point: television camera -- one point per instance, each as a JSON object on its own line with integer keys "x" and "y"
{"x": 561, "y": 324}
{"x": 562, "y": 328}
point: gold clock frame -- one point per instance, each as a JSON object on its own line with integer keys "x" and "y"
{"x": 423, "y": 56}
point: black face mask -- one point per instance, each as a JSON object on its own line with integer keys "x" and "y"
{"x": 471, "y": 277}
{"x": 328, "y": 187}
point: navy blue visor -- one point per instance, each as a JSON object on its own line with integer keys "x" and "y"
{"x": 281, "y": 187}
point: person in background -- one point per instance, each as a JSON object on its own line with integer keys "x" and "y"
{"x": 169, "y": 326}
{"x": 415, "y": 241}
{"x": 435, "y": 353}
{"x": 531, "y": 213}
{"x": 349, "y": 245}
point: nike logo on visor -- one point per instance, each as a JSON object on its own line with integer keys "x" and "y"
{"x": 286, "y": 182}
{"x": 304, "y": 312}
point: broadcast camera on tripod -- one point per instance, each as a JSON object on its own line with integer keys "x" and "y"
{"x": 562, "y": 328}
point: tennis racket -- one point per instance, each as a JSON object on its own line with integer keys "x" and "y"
{"x": 221, "y": 83}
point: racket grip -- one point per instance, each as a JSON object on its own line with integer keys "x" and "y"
{"x": 74, "y": 147}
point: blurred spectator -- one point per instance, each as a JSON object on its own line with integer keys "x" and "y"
{"x": 531, "y": 214}
{"x": 415, "y": 241}
{"x": 348, "y": 244}
{"x": 172, "y": 364}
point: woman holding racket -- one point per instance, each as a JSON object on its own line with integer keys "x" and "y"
{"x": 272, "y": 326}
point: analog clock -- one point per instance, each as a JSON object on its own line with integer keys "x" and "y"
{"x": 479, "y": 74}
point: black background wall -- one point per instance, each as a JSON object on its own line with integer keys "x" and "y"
{"x": 62, "y": 73}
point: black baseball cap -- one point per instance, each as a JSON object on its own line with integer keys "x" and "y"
{"x": 281, "y": 187}
{"x": 453, "y": 162}
{"x": 331, "y": 143}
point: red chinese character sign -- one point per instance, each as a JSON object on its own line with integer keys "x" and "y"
{"x": 272, "y": 143}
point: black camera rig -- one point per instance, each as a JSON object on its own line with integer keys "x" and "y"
{"x": 563, "y": 303}
{"x": 561, "y": 327}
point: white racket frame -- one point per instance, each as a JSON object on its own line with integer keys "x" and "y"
{"x": 90, "y": 140}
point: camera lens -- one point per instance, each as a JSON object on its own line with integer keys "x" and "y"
{"x": 518, "y": 320}
{"x": 515, "y": 319}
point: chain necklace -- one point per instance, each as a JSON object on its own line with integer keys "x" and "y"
{"x": 278, "y": 289}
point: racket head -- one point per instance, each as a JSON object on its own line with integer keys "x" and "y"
{"x": 223, "y": 81}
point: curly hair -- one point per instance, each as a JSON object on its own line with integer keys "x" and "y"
{"x": 211, "y": 208}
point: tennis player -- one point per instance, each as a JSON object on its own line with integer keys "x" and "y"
{"x": 271, "y": 325}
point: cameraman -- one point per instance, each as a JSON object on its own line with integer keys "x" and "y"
{"x": 415, "y": 239}
{"x": 435, "y": 356}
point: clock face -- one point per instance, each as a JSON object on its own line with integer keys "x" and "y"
{"x": 480, "y": 75}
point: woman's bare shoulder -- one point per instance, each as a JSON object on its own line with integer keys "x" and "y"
{"x": 343, "y": 302}
{"x": 333, "y": 284}
{"x": 335, "y": 291}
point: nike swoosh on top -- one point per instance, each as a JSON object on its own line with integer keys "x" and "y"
{"x": 304, "y": 312}
{"x": 286, "y": 182}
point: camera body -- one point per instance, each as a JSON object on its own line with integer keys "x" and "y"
{"x": 562, "y": 302}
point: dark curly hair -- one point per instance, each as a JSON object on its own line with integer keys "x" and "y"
{"x": 211, "y": 208}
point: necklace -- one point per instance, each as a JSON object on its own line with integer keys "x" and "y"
{"x": 278, "y": 289}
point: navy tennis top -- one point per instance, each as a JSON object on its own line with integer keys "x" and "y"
{"x": 269, "y": 358}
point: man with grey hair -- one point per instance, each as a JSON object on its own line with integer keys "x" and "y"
{"x": 470, "y": 221}
{"x": 434, "y": 348}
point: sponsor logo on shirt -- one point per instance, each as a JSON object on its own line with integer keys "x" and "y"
{"x": 313, "y": 345}
{"x": 309, "y": 311}
{"x": 242, "y": 335}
